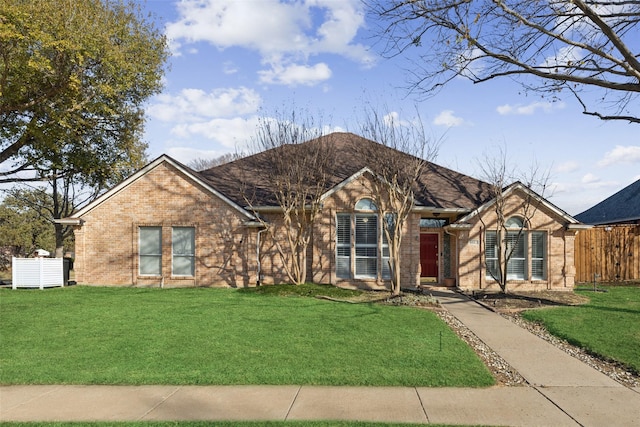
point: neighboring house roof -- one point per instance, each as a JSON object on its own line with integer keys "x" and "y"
{"x": 622, "y": 207}
{"x": 438, "y": 187}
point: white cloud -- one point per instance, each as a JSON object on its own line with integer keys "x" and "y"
{"x": 393, "y": 120}
{"x": 187, "y": 154}
{"x": 296, "y": 75}
{"x": 447, "y": 118}
{"x": 470, "y": 63}
{"x": 590, "y": 179}
{"x": 229, "y": 67}
{"x": 282, "y": 32}
{"x": 566, "y": 167}
{"x": 226, "y": 23}
{"x": 565, "y": 56}
{"x": 343, "y": 20}
{"x": 227, "y": 132}
{"x": 529, "y": 109}
{"x": 195, "y": 104}
{"x": 574, "y": 197}
{"x": 621, "y": 154}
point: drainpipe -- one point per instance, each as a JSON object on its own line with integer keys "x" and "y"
{"x": 258, "y": 255}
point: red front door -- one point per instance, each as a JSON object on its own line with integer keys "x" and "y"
{"x": 429, "y": 256}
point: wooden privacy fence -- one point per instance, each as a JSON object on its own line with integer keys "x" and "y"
{"x": 608, "y": 253}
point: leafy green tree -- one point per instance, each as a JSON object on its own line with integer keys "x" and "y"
{"x": 73, "y": 78}
{"x": 25, "y": 224}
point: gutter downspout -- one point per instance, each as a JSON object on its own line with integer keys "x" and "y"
{"x": 258, "y": 256}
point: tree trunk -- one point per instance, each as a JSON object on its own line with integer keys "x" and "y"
{"x": 59, "y": 253}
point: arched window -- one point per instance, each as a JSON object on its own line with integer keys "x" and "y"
{"x": 514, "y": 222}
{"x": 366, "y": 205}
{"x": 366, "y": 239}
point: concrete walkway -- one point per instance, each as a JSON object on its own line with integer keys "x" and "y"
{"x": 584, "y": 394}
{"x": 563, "y": 392}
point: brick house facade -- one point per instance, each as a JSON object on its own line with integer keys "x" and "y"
{"x": 168, "y": 225}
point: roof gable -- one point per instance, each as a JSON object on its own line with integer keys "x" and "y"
{"x": 623, "y": 206}
{"x": 346, "y": 182}
{"x": 188, "y": 172}
{"x": 518, "y": 186}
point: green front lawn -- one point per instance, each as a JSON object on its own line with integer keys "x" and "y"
{"x": 92, "y": 335}
{"x": 609, "y": 325}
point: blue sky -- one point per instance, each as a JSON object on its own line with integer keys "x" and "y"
{"x": 236, "y": 60}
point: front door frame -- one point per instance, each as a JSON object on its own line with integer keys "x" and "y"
{"x": 424, "y": 279}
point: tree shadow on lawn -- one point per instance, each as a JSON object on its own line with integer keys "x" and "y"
{"x": 528, "y": 300}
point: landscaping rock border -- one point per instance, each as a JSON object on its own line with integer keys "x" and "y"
{"x": 612, "y": 369}
{"x": 504, "y": 373}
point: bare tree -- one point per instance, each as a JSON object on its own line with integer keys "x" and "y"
{"x": 397, "y": 174}
{"x": 201, "y": 164}
{"x": 295, "y": 157}
{"x": 566, "y": 45}
{"x": 58, "y": 199}
{"x": 505, "y": 236}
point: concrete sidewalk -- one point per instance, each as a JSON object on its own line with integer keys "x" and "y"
{"x": 513, "y": 406}
{"x": 563, "y": 392}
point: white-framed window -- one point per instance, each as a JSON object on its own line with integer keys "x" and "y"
{"x": 366, "y": 254}
{"x": 517, "y": 241}
{"x": 150, "y": 251}
{"x": 538, "y": 255}
{"x": 516, "y": 246}
{"x": 366, "y": 205}
{"x": 343, "y": 246}
{"x": 183, "y": 251}
{"x": 366, "y": 245}
{"x": 491, "y": 254}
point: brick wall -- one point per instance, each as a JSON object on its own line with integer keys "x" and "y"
{"x": 107, "y": 243}
{"x": 226, "y": 253}
{"x": 560, "y": 270}
{"x": 324, "y": 248}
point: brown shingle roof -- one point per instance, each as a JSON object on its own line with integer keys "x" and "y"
{"x": 439, "y": 187}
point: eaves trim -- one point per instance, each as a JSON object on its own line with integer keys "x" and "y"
{"x": 518, "y": 186}
{"x": 345, "y": 182}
